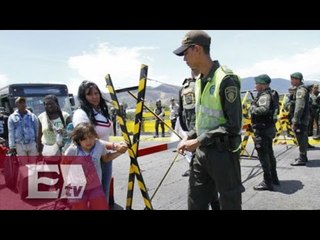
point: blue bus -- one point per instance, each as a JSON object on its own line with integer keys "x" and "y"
{"x": 34, "y": 94}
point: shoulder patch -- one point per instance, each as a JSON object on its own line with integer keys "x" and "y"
{"x": 300, "y": 94}
{"x": 262, "y": 101}
{"x": 231, "y": 93}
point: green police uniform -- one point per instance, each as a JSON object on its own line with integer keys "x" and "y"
{"x": 215, "y": 167}
{"x": 187, "y": 113}
{"x": 159, "y": 111}
{"x": 300, "y": 119}
{"x": 262, "y": 113}
{"x": 314, "y": 112}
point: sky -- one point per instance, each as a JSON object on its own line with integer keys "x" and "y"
{"x": 71, "y": 56}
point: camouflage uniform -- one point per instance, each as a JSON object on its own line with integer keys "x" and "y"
{"x": 314, "y": 110}
{"x": 187, "y": 113}
{"x": 262, "y": 111}
{"x": 113, "y": 115}
{"x": 300, "y": 120}
{"x": 159, "y": 111}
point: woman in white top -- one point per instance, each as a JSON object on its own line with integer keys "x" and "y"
{"x": 52, "y": 127}
{"x": 94, "y": 109}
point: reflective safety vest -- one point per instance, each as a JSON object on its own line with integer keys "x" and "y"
{"x": 209, "y": 113}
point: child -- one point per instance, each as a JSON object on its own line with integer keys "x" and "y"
{"x": 86, "y": 146}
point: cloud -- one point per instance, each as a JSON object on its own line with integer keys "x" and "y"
{"x": 122, "y": 63}
{"x": 4, "y": 79}
{"x": 281, "y": 67}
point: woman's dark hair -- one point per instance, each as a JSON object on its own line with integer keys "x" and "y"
{"x": 84, "y": 88}
{"x": 54, "y": 99}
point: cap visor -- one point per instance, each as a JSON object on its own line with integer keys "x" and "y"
{"x": 180, "y": 51}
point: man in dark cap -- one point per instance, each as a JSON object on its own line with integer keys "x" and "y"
{"x": 300, "y": 118}
{"x": 23, "y": 132}
{"x": 215, "y": 166}
{"x": 262, "y": 111}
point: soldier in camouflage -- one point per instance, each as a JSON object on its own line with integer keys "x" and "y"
{"x": 301, "y": 116}
{"x": 262, "y": 111}
{"x": 314, "y": 109}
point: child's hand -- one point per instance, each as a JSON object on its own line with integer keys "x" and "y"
{"x": 121, "y": 147}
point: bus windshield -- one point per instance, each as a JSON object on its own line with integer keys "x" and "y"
{"x": 34, "y": 94}
{"x": 37, "y": 106}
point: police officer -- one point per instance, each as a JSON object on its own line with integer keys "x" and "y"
{"x": 122, "y": 110}
{"x": 301, "y": 116}
{"x": 187, "y": 114}
{"x": 159, "y": 111}
{"x": 215, "y": 167}
{"x": 113, "y": 115}
{"x": 289, "y": 106}
{"x": 174, "y": 112}
{"x": 262, "y": 111}
{"x": 314, "y": 109}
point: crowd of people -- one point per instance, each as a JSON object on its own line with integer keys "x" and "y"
{"x": 54, "y": 134}
{"x": 208, "y": 115}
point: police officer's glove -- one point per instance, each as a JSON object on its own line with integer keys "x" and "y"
{"x": 251, "y": 108}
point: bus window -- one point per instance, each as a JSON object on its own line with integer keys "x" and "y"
{"x": 34, "y": 94}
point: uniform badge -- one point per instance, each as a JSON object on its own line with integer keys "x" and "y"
{"x": 231, "y": 93}
{"x": 262, "y": 101}
{"x": 300, "y": 94}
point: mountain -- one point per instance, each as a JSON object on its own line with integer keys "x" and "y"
{"x": 280, "y": 84}
{"x": 165, "y": 91}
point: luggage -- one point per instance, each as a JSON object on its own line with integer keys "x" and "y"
{"x": 11, "y": 165}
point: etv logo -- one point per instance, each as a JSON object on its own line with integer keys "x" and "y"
{"x": 74, "y": 181}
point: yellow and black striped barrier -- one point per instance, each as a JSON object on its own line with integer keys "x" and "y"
{"x": 283, "y": 126}
{"x": 247, "y": 126}
{"x": 133, "y": 146}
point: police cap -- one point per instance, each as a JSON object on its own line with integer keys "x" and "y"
{"x": 297, "y": 75}
{"x": 262, "y": 79}
{"x": 194, "y": 37}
